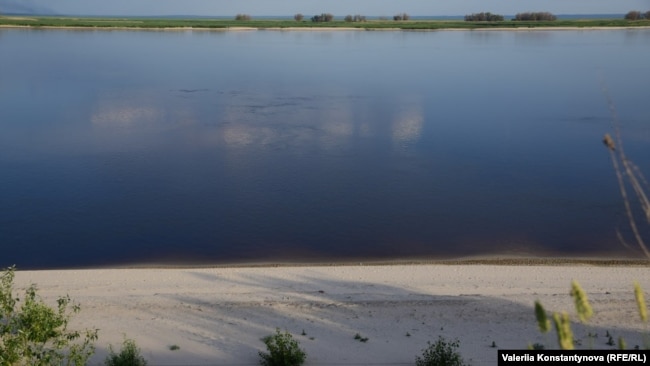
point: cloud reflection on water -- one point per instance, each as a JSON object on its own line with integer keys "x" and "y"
{"x": 407, "y": 126}
{"x": 123, "y": 110}
{"x": 253, "y": 119}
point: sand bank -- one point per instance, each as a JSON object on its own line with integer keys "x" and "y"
{"x": 218, "y": 315}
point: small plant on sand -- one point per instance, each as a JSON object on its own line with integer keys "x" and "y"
{"x": 174, "y": 347}
{"x": 129, "y": 355}
{"x": 537, "y": 347}
{"x": 441, "y": 353}
{"x": 361, "y": 339}
{"x": 282, "y": 349}
{"x": 36, "y": 334}
{"x": 610, "y": 341}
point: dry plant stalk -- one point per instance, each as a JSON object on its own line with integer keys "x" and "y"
{"x": 624, "y": 168}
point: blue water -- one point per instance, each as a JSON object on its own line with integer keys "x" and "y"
{"x": 151, "y": 147}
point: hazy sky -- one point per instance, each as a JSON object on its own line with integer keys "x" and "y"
{"x": 337, "y": 7}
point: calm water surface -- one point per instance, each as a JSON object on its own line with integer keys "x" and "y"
{"x": 120, "y": 147}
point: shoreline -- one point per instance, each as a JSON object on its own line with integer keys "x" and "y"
{"x": 218, "y": 315}
{"x": 321, "y": 29}
{"x": 515, "y": 261}
{"x": 471, "y": 261}
{"x": 601, "y": 259}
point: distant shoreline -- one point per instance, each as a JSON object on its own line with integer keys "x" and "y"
{"x": 177, "y": 24}
{"x": 315, "y": 29}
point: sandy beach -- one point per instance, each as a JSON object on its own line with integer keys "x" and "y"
{"x": 217, "y": 316}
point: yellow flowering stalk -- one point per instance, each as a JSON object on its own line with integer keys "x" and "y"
{"x": 563, "y": 328}
{"x": 640, "y": 301}
{"x": 581, "y": 302}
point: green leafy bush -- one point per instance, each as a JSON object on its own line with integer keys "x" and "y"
{"x": 36, "y": 334}
{"x": 441, "y": 353}
{"x": 245, "y": 17}
{"x": 324, "y": 17}
{"x": 633, "y": 15}
{"x": 535, "y": 16}
{"x": 483, "y": 17}
{"x": 400, "y": 17}
{"x": 129, "y": 355}
{"x": 355, "y": 18}
{"x": 283, "y": 350}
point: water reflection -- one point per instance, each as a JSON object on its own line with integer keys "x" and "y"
{"x": 484, "y": 37}
{"x": 407, "y": 127}
{"x": 204, "y": 155}
{"x": 126, "y": 111}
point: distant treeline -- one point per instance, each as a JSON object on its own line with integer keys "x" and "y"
{"x": 243, "y": 17}
{"x": 475, "y": 17}
{"x": 483, "y": 17}
{"x": 328, "y": 17}
{"x": 530, "y": 16}
{"x": 325, "y": 17}
{"x": 355, "y": 18}
{"x": 541, "y": 16}
{"x": 535, "y": 16}
{"x": 637, "y": 15}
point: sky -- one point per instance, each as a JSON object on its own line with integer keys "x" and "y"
{"x": 308, "y": 7}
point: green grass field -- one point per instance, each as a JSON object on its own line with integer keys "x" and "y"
{"x": 262, "y": 24}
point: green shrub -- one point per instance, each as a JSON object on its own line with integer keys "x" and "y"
{"x": 36, "y": 334}
{"x": 129, "y": 355}
{"x": 245, "y": 17}
{"x": 535, "y": 16}
{"x": 361, "y": 339}
{"x": 633, "y": 15}
{"x": 325, "y": 17}
{"x": 441, "y": 353}
{"x": 283, "y": 350}
{"x": 400, "y": 17}
{"x": 483, "y": 17}
{"x": 355, "y": 18}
